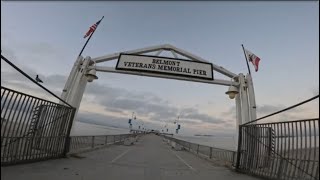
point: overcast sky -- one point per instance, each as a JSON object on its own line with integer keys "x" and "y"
{"x": 45, "y": 37}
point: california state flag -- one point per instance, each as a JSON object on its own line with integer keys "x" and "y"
{"x": 253, "y": 59}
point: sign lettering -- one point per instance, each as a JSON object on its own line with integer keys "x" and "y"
{"x": 164, "y": 65}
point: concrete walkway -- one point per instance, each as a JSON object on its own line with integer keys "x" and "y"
{"x": 148, "y": 159}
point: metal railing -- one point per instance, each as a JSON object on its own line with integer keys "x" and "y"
{"x": 280, "y": 150}
{"x": 80, "y": 143}
{"x": 32, "y": 128}
{"x": 227, "y": 157}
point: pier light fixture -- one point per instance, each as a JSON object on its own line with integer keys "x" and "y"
{"x": 232, "y": 91}
{"x": 91, "y": 75}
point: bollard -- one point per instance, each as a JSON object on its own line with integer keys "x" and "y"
{"x": 92, "y": 145}
{"x": 198, "y": 149}
{"x": 279, "y": 174}
{"x": 210, "y": 156}
{"x": 67, "y": 146}
{"x": 106, "y": 140}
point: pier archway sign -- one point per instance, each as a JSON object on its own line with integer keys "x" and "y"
{"x": 136, "y": 62}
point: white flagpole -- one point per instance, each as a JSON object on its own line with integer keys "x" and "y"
{"x": 245, "y": 55}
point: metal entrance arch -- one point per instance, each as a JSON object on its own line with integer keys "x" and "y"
{"x": 84, "y": 70}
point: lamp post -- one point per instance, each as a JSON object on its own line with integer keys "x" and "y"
{"x": 178, "y": 125}
{"x": 76, "y": 83}
{"x": 245, "y": 101}
{"x": 233, "y": 93}
{"x": 130, "y": 124}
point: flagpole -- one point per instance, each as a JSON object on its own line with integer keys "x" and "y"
{"x": 251, "y": 95}
{"x": 89, "y": 39}
{"x": 245, "y": 55}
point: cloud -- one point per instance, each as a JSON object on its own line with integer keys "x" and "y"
{"x": 8, "y": 53}
{"x": 15, "y": 80}
{"x": 44, "y": 57}
{"x": 195, "y": 115}
{"x": 56, "y": 81}
{"x": 315, "y": 91}
{"x": 121, "y": 100}
{"x": 267, "y": 108}
{"x": 11, "y": 75}
{"x": 99, "y": 119}
{"x": 42, "y": 48}
{"x": 231, "y": 112}
{"x": 115, "y": 103}
{"x": 144, "y": 104}
{"x": 192, "y": 113}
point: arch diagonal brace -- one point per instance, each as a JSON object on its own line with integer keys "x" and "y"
{"x": 166, "y": 47}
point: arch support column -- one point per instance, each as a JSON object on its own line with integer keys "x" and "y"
{"x": 76, "y": 85}
{"x": 244, "y": 99}
{"x": 252, "y": 99}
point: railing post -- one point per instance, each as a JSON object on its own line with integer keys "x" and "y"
{"x": 198, "y": 149}
{"x": 92, "y": 145}
{"x": 189, "y": 146}
{"x": 279, "y": 174}
{"x": 210, "y": 156}
{"x": 114, "y": 139}
{"x": 106, "y": 140}
{"x": 234, "y": 154}
{"x": 67, "y": 146}
{"x": 239, "y": 148}
{"x": 67, "y": 143}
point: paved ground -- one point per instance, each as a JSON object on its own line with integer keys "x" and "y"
{"x": 149, "y": 159}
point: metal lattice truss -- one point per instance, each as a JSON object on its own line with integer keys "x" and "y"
{"x": 158, "y": 50}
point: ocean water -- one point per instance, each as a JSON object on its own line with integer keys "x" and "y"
{"x": 228, "y": 143}
{"x": 86, "y": 129}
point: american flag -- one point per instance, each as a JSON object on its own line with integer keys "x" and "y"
{"x": 92, "y": 29}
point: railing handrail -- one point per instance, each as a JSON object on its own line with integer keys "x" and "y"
{"x": 290, "y": 143}
{"x": 281, "y": 122}
{"x": 15, "y": 91}
{"x": 103, "y": 135}
{"x": 203, "y": 145}
{"x": 26, "y": 127}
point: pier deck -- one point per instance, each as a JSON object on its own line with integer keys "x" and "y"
{"x": 148, "y": 159}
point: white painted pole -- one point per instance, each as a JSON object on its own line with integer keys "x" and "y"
{"x": 71, "y": 77}
{"x": 238, "y": 118}
{"x": 244, "y": 104}
{"x": 244, "y": 99}
{"x": 252, "y": 108}
{"x": 76, "y": 91}
{"x": 252, "y": 112}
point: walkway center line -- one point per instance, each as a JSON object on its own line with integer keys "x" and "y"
{"x": 182, "y": 160}
{"x": 118, "y": 157}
